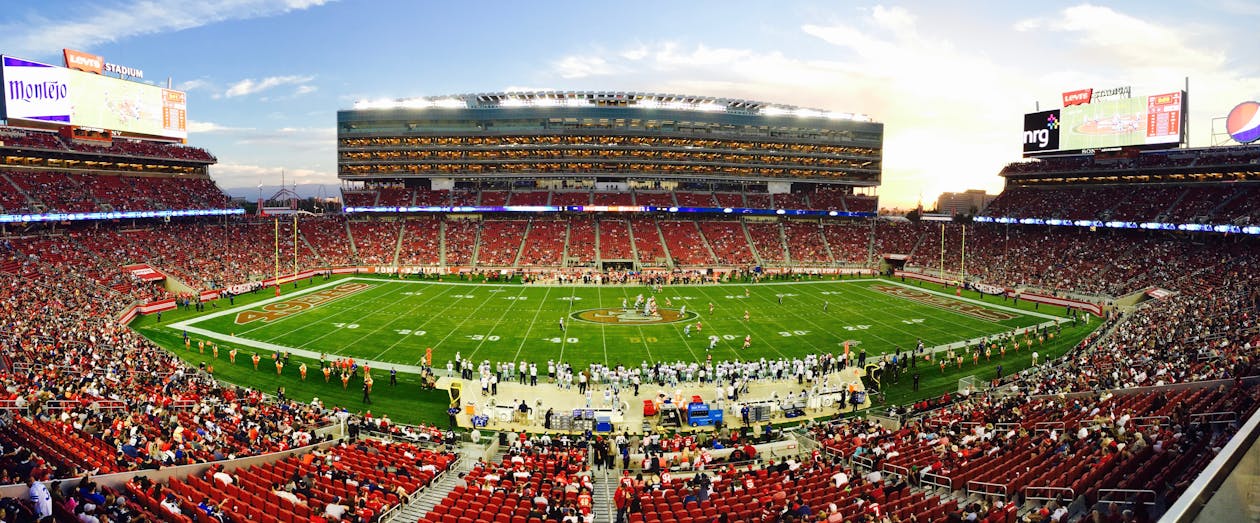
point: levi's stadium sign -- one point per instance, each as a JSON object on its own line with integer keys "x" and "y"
{"x": 91, "y": 63}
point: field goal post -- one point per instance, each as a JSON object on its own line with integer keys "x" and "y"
{"x": 968, "y": 385}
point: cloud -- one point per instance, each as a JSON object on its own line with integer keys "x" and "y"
{"x": 304, "y": 89}
{"x": 581, "y": 66}
{"x": 193, "y": 85}
{"x": 250, "y": 86}
{"x": 939, "y": 135}
{"x": 1105, "y": 36}
{"x": 296, "y": 139}
{"x": 229, "y": 175}
{"x": 93, "y": 25}
{"x": 195, "y": 126}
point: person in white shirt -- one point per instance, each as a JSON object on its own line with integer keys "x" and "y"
{"x": 335, "y": 510}
{"x": 840, "y": 478}
{"x": 171, "y": 504}
{"x": 40, "y": 498}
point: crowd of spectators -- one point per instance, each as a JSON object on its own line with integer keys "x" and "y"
{"x": 22, "y": 138}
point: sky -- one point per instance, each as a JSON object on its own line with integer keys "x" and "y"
{"x": 950, "y": 80}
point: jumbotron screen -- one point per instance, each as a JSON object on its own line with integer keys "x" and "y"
{"x": 1140, "y": 121}
{"x": 45, "y": 93}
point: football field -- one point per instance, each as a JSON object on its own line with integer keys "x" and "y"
{"x": 395, "y": 321}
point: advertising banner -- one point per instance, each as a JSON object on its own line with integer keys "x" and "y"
{"x": 45, "y": 93}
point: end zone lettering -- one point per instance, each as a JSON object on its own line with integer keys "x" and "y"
{"x": 960, "y": 307}
{"x": 275, "y": 311}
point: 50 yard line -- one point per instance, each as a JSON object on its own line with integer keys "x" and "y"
{"x": 525, "y": 339}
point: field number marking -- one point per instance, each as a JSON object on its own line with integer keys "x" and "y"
{"x": 409, "y": 332}
{"x": 561, "y": 340}
{"x": 787, "y": 334}
{"x": 482, "y": 337}
{"x": 856, "y": 327}
{"x": 346, "y": 325}
{"x": 912, "y": 321}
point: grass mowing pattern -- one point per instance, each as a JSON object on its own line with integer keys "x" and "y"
{"x": 394, "y": 321}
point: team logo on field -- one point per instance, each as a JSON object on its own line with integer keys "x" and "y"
{"x": 275, "y": 311}
{"x": 615, "y": 316}
{"x": 942, "y": 302}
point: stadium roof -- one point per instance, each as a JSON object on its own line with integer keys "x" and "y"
{"x": 624, "y": 99}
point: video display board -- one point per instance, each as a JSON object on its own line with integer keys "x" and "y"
{"x": 1088, "y": 124}
{"x": 45, "y": 93}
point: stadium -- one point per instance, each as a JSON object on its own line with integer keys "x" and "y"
{"x": 617, "y": 306}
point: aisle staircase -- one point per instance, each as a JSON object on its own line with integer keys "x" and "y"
{"x": 435, "y": 492}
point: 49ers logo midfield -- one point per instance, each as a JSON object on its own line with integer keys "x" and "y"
{"x": 632, "y": 317}
{"x": 275, "y": 311}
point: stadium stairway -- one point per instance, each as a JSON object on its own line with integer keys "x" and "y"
{"x": 520, "y": 250}
{"x": 354, "y": 251}
{"x": 664, "y": 244}
{"x": 602, "y": 487}
{"x": 783, "y": 244}
{"x": 705, "y": 241}
{"x": 634, "y": 249}
{"x": 402, "y": 231}
{"x": 598, "y": 255}
{"x": 442, "y": 243}
{"x": 318, "y": 255}
{"x": 18, "y": 189}
{"x": 435, "y": 492}
{"x": 831, "y": 257}
{"x": 751, "y": 245}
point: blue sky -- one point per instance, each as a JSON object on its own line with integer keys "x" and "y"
{"x": 949, "y": 80}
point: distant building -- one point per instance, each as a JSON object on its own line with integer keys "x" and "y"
{"x": 952, "y": 203}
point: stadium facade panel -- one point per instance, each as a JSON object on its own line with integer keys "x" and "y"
{"x": 609, "y": 135}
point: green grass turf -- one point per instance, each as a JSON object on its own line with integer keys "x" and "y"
{"x": 394, "y": 321}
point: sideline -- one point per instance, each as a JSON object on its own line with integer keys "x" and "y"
{"x": 189, "y": 325}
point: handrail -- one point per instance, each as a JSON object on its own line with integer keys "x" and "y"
{"x": 1214, "y": 418}
{"x": 937, "y": 480}
{"x": 896, "y": 469}
{"x": 385, "y": 516}
{"x": 1030, "y": 490}
{"x": 1156, "y": 421}
{"x": 972, "y": 490}
{"x": 1196, "y": 496}
{"x": 1049, "y": 426}
{"x": 864, "y": 462}
{"x": 1102, "y": 495}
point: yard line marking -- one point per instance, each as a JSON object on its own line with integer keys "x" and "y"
{"x": 330, "y": 331}
{"x": 349, "y": 306}
{"x": 542, "y": 304}
{"x": 413, "y": 309}
{"x": 460, "y": 325}
{"x": 497, "y": 322}
{"x": 757, "y": 335}
{"x": 564, "y": 342}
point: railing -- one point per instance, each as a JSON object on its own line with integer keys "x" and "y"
{"x": 1047, "y": 426}
{"x": 864, "y": 462}
{"x": 1126, "y": 496}
{"x": 1047, "y": 493}
{"x": 937, "y": 480}
{"x": 183, "y": 405}
{"x": 109, "y": 405}
{"x": 1143, "y": 422}
{"x": 986, "y": 489}
{"x": 896, "y": 469}
{"x": 389, "y": 513}
{"x": 1214, "y": 418}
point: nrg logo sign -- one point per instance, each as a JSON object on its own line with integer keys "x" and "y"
{"x": 1041, "y": 132}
